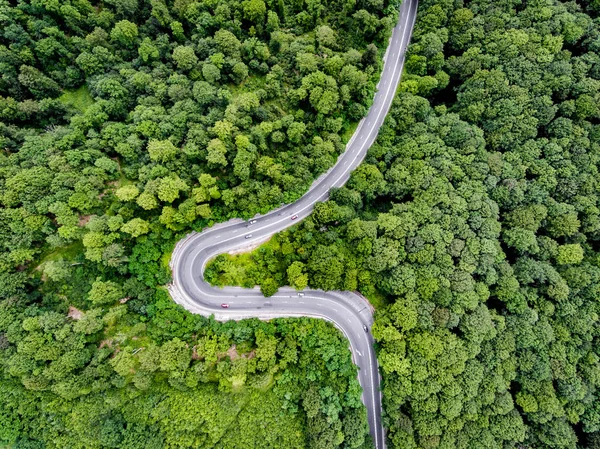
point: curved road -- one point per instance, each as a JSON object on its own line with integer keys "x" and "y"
{"x": 348, "y": 311}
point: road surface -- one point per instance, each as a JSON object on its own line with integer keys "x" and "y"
{"x": 348, "y": 311}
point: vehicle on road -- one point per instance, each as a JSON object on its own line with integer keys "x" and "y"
{"x": 365, "y": 328}
{"x": 294, "y": 217}
{"x": 301, "y": 295}
{"x": 248, "y": 236}
{"x": 252, "y": 222}
{"x": 225, "y": 306}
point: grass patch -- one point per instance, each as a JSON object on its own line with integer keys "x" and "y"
{"x": 273, "y": 243}
{"x": 264, "y": 383}
{"x": 254, "y": 83}
{"x": 377, "y": 299}
{"x": 234, "y": 269}
{"x": 165, "y": 259}
{"x": 79, "y": 99}
{"x": 347, "y": 133}
{"x": 122, "y": 335}
{"x": 250, "y": 84}
{"x": 123, "y": 180}
{"x": 68, "y": 252}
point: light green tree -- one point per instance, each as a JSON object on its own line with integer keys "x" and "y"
{"x": 124, "y": 32}
{"x": 162, "y": 150}
{"x": 136, "y": 227}
{"x": 105, "y": 292}
{"x": 185, "y": 57}
{"x": 127, "y": 193}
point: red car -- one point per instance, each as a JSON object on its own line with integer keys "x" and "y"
{"x": 225, "y": 306}
{"x": 294, "y": 217}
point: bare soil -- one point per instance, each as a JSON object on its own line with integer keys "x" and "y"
{"x": 74, "y": 313}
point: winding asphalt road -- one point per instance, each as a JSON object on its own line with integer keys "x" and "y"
{"x": 348, "y": 311}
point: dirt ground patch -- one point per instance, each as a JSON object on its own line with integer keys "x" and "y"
{"x": 108, "y": 343}
{"x": 249, "y": 248}
{"x": 83, "y": 220}
{"x": 74, "y": 313}
{"x": 233, "y": 353}
{"x": 195, "y": 355}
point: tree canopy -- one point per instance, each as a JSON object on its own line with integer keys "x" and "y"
{"x": 126, "y": 124}
{"x": 472, "y": 225}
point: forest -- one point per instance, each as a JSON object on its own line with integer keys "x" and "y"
{"x": 124, "y": 125}
{"x": 473, "y": 225}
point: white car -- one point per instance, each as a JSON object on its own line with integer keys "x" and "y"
{"x": 248, "y": 236}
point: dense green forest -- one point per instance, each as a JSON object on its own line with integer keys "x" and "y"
{"x": 474, "y": 225}
{"x": 124, "y": 124}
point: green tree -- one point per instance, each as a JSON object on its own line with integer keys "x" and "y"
{"x": 162, "y": 150}
{"x": 296, "y": 276}
{"x": 269, "y": 287}
{"x": 170, "y": 187}
{"x": 37, "y": 83}
{"x": 105, "y": 292}
{"x": 125, "y": 33}
{"x": 254, "y": 10}
{"x": 569, "y": 254}
{"x": 185, "y": 57}
{"x": 136, "y": 227}
{"x": 127, "y": 193}
{"x": 147, "y": 50}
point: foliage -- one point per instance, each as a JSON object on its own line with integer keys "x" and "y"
{"x": 125, "y": 124}
{"x": 80, "y": 98}
{"x": 476, "y": 213}
{"x": 172, "y": 379}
